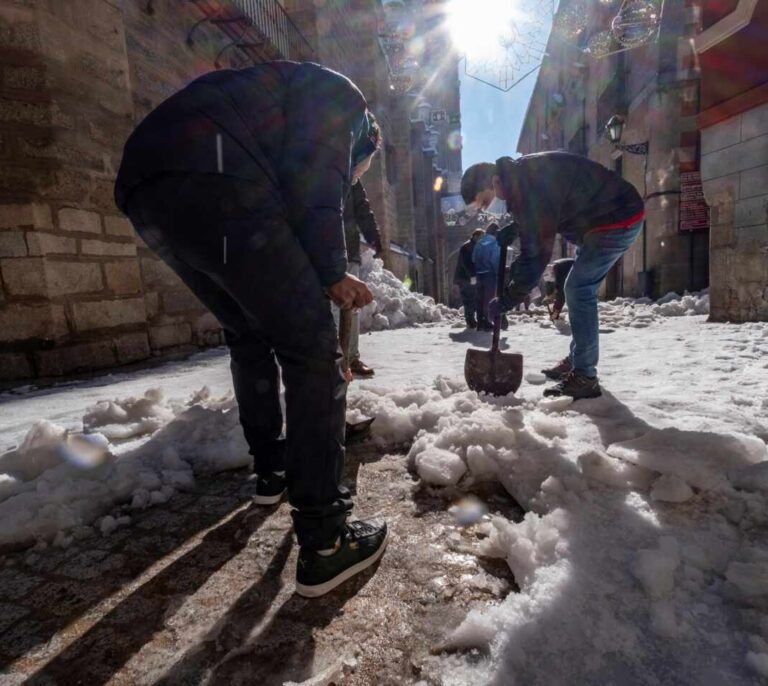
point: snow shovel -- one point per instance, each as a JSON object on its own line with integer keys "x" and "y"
{"x": 359, "y": 432}
{"x": 492, "y": 371}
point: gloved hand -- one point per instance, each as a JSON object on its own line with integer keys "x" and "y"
{"x": 496, "y": 308}
{"x": 508, "y": 234}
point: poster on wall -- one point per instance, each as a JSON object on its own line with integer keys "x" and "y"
{"x": 694, "y": 211}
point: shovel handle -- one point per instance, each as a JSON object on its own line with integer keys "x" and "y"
{"x": 345, "y": 336}
{"x": 499, "y": 292}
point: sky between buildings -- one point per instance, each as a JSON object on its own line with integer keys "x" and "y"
{"x": 490, "y": 119}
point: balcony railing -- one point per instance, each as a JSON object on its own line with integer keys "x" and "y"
{"x": 272, "y": 21}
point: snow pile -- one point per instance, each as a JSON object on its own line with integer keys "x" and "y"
{"x": 635, "y": 553}
{"x": 394, "y": 305}
{"x": 56, "y": 485}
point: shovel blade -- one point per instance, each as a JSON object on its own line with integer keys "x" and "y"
{"x": 493, "y": 372}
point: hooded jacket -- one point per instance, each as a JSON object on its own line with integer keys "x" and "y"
{"x": 559, "y": 192}
{"x": 486, "y": 254}
{"x": 359, "y": 218}
{"x": 288, "y": 127}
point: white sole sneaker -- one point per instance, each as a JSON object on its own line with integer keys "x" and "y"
{"x": 321, "y": 589}
{"x": 268, "y": 499}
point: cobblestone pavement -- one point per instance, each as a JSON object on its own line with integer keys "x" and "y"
{"x": 200, "y": 590}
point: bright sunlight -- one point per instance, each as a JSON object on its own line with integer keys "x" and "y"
{"x": 477, "y": 32}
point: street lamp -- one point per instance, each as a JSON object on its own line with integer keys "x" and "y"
{"x": 614, "y": 129}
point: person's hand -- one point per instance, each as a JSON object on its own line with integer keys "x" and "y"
{"x": 495, "y": 309}
{"x": 350, "y": 293}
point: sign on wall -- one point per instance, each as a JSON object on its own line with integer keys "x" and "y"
{"x": 694, "y": 211}
{"x": 439, "y": 116}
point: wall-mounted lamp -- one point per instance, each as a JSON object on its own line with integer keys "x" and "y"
{"x": 614, "y": 130}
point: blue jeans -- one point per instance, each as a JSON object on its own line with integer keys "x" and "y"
{"x": 594, "y": 259}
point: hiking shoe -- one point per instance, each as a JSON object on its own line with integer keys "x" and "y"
{"x": 360, "y": 545}
{"x": 559, "y": 371}
{"x": 575, "y": 385}
{"x": 360, "y": 368}
{"x": 269, "y": 488}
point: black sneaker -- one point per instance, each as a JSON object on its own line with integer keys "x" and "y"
{"x": 577, "y": 386}
{"x": 361, "y": 545}
{"x": 269, "y": 488}
{"x": 560, "y": 370}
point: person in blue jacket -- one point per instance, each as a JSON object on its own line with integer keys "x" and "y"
{"x": 238, "y": 183}
{"x": 485, "y": 257}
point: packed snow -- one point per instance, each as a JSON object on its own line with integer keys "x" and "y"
{"x": 395, "y": 305}
{"x": 642, "y": 557}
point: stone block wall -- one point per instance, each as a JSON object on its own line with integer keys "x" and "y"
{"x": 734, "y": 168}
{"x": 78, "y": 290}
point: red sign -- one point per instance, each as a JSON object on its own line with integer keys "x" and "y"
{"x": 694, "y": 211}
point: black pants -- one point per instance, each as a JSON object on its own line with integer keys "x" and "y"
{"x": 229, "y": 241}
{"x": 486, "y": 291}
{"x": 469, "y": 300}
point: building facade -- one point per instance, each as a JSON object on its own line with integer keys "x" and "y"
{"x": 734, "y": 164}
{"x": 655, "y": 89}
{"x": 78, "y": 290}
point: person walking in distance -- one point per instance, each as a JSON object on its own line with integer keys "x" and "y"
{"x": 465, "y": 278}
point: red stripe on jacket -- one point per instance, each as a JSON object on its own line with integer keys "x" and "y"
{"x": 623, "y": 224}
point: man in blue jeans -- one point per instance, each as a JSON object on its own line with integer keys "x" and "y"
{"x": 558, "y": 192}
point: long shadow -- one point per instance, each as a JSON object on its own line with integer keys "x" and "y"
{"x": 284, "y": 650}
{"x": 59, "y": 598}
{"x": 96, "y": 655}
{"x": 622, "y": 648}
{"x": 234, "y": 627}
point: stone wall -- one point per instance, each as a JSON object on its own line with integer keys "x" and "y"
{"x": 78, "y": 290}
{"x": 735, "y": 175}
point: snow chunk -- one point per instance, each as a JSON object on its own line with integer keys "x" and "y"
{"x": 655, "y": 569}
{"x": 440, "y": 467}
{"x": 758, "y": 662}
{"x": 698, "y": 458}
{"x": 749, "y": 578}
{"x": 598, "y": 466}
{"x": 671, "y": 489}
{"x": 750, "y": 478}
{"x": 535, "y": 378}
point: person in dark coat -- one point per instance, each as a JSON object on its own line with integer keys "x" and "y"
{"x": 465, "y": 278}
{"x": 558, "y": 192}
{"x": 359, "y": 218}
{"x": 238, "y": 183}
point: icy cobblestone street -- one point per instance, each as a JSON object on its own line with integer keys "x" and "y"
{"x": 638, "y": 556}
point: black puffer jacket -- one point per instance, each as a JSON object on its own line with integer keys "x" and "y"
{"x": 559, "y": 192}
{"x": 288, "y": 127}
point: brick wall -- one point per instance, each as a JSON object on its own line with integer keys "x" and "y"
{"x": 735, "y": 176}
{"x": 78, "y": 290}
